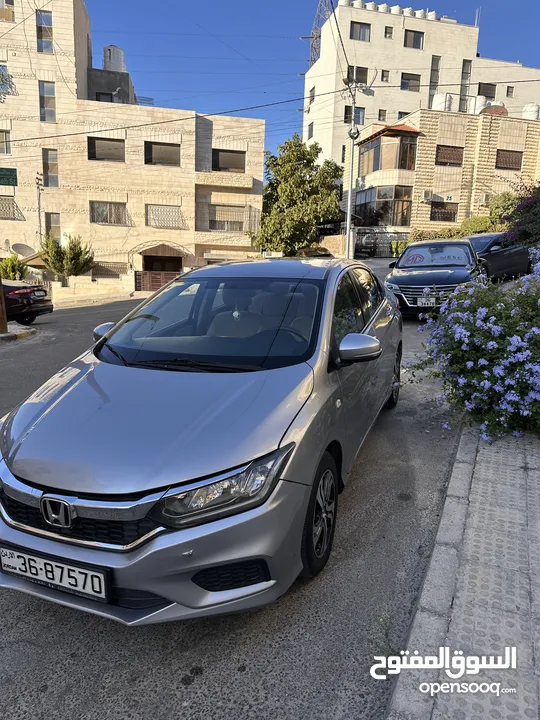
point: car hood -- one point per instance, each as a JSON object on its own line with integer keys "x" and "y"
{"x": 103, "y": 429}
{"x": 427, "y": 277}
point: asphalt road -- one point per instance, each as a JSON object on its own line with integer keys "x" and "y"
{"x": 308, "y": 655}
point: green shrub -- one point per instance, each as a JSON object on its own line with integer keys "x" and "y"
{"x": 13, "y": 269}
{"x": 476, "y": 225}
{"x": 502, "y": 206}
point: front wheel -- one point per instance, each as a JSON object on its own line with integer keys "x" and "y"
{"x": 320, "y": 523}
{"x": 27, "y": 320}
{"x": 396, "y": 384}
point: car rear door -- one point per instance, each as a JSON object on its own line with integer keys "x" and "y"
{"x": 379, "y": 314}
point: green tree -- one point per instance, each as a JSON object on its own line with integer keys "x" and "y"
{"x": 13, "y": 269}
{"x": 502, "y": 206}
{"x": 476, "y": 225}
{"x": 299, "y": 195}
{"x": 78, "y": 257}
{"x": 52, "y": 254}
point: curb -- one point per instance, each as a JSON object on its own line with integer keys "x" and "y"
{"x": 430, "y": 623}
{"x": 17, "y": 335}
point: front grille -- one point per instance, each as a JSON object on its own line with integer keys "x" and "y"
{"x": 230, "y": 577}
{"x": 110, "y": 532}
{"x": 413, "y": 292}
{"x": 136, "y": 599}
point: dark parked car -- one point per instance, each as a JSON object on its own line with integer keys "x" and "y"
{"x": 500, "y": 260}
{"x": 25, "y": 302}
{"x": 427, "y": 272}
{"x": 314, "y": 251}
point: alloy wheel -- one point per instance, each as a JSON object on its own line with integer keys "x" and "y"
{"x": 324, "y": 514}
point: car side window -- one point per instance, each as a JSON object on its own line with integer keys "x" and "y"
{"x": 370, "y": 292}
{"x": 348, "y": 317}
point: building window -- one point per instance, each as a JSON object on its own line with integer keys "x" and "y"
{"x": 382, "y": 115}
{"x": 509, "y": 160}
{"x": 343, "y": 154}
{"x": 44, "y": 31}
{"x": 401, "y": 115}
{"x": 466, "y": 72}
{"x": 106, "y": 149}
{"x": 410, "y": 82}
{"x": 487, "y": 90}
{"x": 385, "y": 76}
{"x": 50, "y": 168}
{"x": 510, "y": 91}
{"x": 414, "y": 39}
{"x": 8, "y": 208}
{"x": 361, "y": 31}
{"x": 52, "y": 225}
{"x": 47, "y": 101}
{"x": 449, "y": 155}
{"x": 7, "y": 11}
{"x": 388, "y": 32}
{"x": 357, "y": 74}
{"x": 444, "y": 212}
{"x": 104, "y": 97}
{"x": 226, "y": 218}
{"x": 165, "y": 216}
{"x": 229, "y": 161}
{"x": 434, "y": 78}
{"x": 359, "y": 115}
{"x": 108, "y": 213}
{"x": 161, "y": 154}
{"x": 310, "y": 131}
{"x": 312, "y": 96}
{"x": 384, "y": 206}
{"x": 407, "y": 153}
{"x": 5, "y": 142}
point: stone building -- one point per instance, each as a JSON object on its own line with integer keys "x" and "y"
{"x": 152, "y": 189}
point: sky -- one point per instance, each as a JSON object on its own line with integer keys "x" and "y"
{"x": 215, "y": 55}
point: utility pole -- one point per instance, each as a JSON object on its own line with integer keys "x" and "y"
{"x": 354, "y": 133}
{"x": 39, "y": 186}
{"x": 3, "y": 316}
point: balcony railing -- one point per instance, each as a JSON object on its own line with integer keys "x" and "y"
{"x": 7, "y": 13}
{"x": 227, "y": 218}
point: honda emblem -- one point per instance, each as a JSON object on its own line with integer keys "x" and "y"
{"x": 56, "y": 512}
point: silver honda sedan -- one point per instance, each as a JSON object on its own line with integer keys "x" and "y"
{"x": 190, "y": 463}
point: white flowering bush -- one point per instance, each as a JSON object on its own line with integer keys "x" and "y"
{"x": 485, "y": 346}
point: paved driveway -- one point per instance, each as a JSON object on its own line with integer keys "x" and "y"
{"x": 306, "y": 656}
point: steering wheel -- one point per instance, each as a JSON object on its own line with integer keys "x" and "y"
{"x": 294, "y": 332}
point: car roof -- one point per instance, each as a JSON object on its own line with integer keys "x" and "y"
{"x": 287, "y": 268}
{"x": 459, "y": 241}
{"x": 484, "y": 236}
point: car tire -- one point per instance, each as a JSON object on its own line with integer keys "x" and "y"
{"x": 26, "y": 320}
{"x": 320, "y": 522}
{"x": 396, "y": 387}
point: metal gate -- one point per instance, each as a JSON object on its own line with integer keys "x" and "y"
{"x": 152, "y": 281}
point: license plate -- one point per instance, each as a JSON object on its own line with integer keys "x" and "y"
{"x": 427, "y": 301}
{"x": 39, "y": 293}
{"x": 48, "y": 571}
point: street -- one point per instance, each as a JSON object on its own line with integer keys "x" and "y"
{"x": 308, "y": 654}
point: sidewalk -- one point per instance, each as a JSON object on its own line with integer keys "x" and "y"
{"x": 85, "y": 301}
{"x": 482, "y": 590}
{"x": 16, "y": 332}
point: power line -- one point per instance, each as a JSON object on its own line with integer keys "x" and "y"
{"x": 24, "y": 20}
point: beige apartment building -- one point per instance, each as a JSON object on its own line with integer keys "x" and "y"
{"x": 436, "y": 168}
{"x": 402, "y": 60}
{"x": 154, "y": 190}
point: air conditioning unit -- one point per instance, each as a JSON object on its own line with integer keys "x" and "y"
{"x": 484, "y": 199}
{"x": 427, "y": 196}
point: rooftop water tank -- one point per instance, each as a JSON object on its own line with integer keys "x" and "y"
{"x": 421, "y": 14}
{"x": 385, "y": 7}
{"x": 432, "y": 15}
{"x": 113, "y": 59}
{"x": 409, "y": 12}
{"x": 359, "y": 4}
{"x": 480, "y": 105}
{"x": 395, "y": 10}
{"x": 531, "y": 111}
{"x": 371, "y": 6}
{"x": 442, "y": 102}
{"x": 344, "y": 2}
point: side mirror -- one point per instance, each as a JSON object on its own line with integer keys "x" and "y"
{"x": 494, "y": 248}
{"x": 359, "y": 348}
{"x": 393, "y": 264}
{"x": 102, "y": 330}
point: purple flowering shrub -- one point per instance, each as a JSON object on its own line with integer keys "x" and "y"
{"x": 485, "y": 346}
{"x": 524, "y": 220}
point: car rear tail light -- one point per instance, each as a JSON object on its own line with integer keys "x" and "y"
{"x": 22, "y": 291}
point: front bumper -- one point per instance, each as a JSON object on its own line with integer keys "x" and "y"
{"x": 166, "y": 565}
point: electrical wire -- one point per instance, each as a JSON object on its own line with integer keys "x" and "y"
{"x": 24, "y": 20}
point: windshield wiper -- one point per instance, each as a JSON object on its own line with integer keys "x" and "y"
{"x": 202, "y": 365}
{"x": 115, "y": 353}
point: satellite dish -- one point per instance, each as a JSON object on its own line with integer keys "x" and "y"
{"x": 23, "y": 250}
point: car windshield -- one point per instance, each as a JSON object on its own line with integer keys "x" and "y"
{"x": 229, "y": 323}
{"x": 436, "y": 255}
{"x": 480, "y": 243}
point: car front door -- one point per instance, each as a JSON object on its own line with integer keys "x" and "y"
{"x": 379, "y": 315}
{"x": 357, "y": 380}
{"x": 504, "y": 261}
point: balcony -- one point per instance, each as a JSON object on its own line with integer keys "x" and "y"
{"x": 7, "y": 13}
{"x": 237, "y": 219}
{"x": 241, "y": 181}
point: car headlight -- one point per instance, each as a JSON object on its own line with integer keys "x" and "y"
{"x": 213, "y": 499}
{"x": 391, "y": 286}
